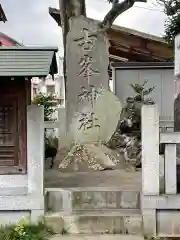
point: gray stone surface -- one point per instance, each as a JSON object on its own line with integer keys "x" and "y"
{"x": 112, "y": 199}
{"x": 92, "y": 200}
{"x": 100, "y": 222}
{"x": 149, "y": 222}
{"x": 97, "y": 237}
{"x": 87, "y": 157}
{"x": 130, "y": 199}
{"x": 116, "y": 179}
{"x": 168, "y": 223}
{"x": 107, "y": 108}
{"x": 57, "y": 224}
{"x": 55, "y": 201}
{"x": 133, "y": 224}
{"x": 87, "y": 61}
{"x": 96, "y": 205}
{"x": 88, "y": 151}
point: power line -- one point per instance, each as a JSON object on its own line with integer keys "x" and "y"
{"x": 151, "y": 9}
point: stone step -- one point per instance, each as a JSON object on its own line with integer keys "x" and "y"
{"x": 124, "y": 221}
{"x": 91, "y": 198}
{"x": 96, "y": 237}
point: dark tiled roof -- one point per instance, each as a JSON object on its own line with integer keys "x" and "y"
{"x": 28, "y": 61}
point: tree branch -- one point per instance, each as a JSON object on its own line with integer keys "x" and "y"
{"x": 116, "y": 10}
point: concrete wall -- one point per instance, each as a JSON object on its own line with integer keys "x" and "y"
{"x": 23, "y": 195}
{"x": 160, "y": 198}
{"x": 160, "y": 76}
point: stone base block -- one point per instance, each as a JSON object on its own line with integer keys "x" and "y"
{"x": 125, "y": 222}
{"x": 94, "y": 199}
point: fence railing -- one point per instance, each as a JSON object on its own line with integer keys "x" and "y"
{"x": 160, "y": 198}
{"x": 59, "y": 124}
{"x": 152, "y": 137}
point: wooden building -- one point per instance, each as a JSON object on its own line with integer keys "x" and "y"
{"x": 21, "y": 131}
{"x": 130, "y": 45}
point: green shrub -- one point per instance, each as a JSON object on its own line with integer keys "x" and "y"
{"x": 51, "y": 141}
{"x": 24, "y": 231}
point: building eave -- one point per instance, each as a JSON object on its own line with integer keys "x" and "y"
{"x": 55, "y": 14}
{"x": 28, "y": 61}
{"x": 2, "y": 15}
{"x": 149, "y": 65}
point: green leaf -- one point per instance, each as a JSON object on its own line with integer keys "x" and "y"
{"x": 49, "y": 102}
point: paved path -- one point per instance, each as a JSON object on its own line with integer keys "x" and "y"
{"x": 112, "y": 178}
{"x": 97, "y": 237}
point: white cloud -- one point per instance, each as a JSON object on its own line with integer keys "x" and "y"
{"x": 29, "y": 21}
{"x": 139, "y": 17}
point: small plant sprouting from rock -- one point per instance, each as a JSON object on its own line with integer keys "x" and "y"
{"x": 141, "y": 92}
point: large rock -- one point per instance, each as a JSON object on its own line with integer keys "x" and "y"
{"x": 91, "y": 157}
{"x": 88, "y": 150}
{"x": 107, "y": 110}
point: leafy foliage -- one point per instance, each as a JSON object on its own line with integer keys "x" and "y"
{"x": 49, "y": 102}
{"x": 113, "y": 1}
{"x": 127, "y": 137}
{"x": 24, "y": 231}
{"x": 141, "y": 92}
{"x": 50, "y": 106}
{"x": 132, "y": 110}
{"x": 172, "y": 25}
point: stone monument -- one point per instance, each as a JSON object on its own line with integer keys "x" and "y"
{"x": 87, "y": 61}
{"x": 93, "y": 113}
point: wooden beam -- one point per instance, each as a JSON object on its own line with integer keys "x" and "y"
{"x": 133, "y": 55}
{"x": 158, "y": 49}
{"x": 55, "y": 14}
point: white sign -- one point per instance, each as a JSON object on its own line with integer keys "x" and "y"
{"x": 177, "y": 56}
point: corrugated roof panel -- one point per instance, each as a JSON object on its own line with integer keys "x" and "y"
{"x": 27, "y": 62}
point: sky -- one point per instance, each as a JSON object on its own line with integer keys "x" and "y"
{"x": 30, "y": 23}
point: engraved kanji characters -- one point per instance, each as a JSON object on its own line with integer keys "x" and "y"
{"x": 88, "y": 41}
{"x": 88, "y": 95}
{"x": 88, "y": 120}
{"x": 86, "y": 68}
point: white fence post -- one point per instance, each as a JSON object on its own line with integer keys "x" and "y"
{"x": 35, "y": 157}
{"x": 170, "y": 169}
{"x": 35, "y": 152}
{"x": 150, "y": 150}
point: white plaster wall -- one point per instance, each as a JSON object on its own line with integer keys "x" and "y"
{"x": 23, "y": 195}
{"x": 11, "y": 217}
{"x": 163, "y": 94}
{"x": 10, "y": 181}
